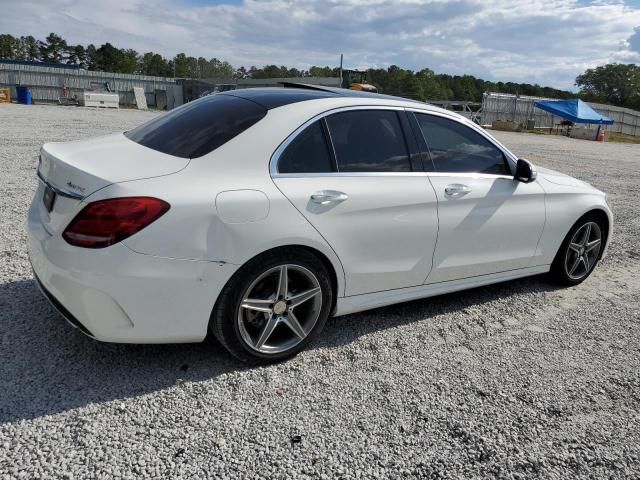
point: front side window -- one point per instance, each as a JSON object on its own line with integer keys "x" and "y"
{"x": 368, "y": 141}
{"x": 456, "y": 148}
{"x": 199, "y": 127}
{"x": 307, "y": 153}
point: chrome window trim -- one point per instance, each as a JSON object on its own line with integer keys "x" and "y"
{"x": 273, "y": 163}
{"x": 476, "y": 128}
{"x": 60, "y": 191}
{"x": 392, "y": 174}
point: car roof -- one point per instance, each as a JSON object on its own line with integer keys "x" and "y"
{"x": 274, "y": 97}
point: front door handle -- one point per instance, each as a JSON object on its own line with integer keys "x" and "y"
{"x": 328, "y": 196}
{"x": 457, "y": 189}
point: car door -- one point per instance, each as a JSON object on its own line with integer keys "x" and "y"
{"x": 488, "y": 222}
{"x": 354, "y": 176}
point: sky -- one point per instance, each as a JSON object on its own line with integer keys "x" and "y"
{"x": 538, "y": 41}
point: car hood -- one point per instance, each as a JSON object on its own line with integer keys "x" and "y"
{"x": 558, "y": 178}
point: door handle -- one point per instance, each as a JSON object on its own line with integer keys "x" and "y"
{"x": 328, "y": 196}
{"x": 457, "y": 189}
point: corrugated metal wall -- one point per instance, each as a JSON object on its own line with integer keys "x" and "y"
{"x": 46, "y": 83}
{"x": 500, "y": 106}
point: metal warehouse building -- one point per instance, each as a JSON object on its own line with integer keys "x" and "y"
{"x": 520, "y": 108}
{"x": 49, "y": 81}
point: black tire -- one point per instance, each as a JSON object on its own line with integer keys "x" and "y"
{"x": 224, "y": 323}
{"x": 559, "y": 272}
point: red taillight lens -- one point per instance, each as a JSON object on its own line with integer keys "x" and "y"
{"x": 106, "y": 222}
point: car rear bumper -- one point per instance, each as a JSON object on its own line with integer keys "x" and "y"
{"x": 66, "y": 314}
{"x": 117, "y": 295}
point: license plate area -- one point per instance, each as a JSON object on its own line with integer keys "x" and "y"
{"x": 48, "y": 198}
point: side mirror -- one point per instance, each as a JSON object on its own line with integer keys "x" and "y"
{"x": 525, "y": 171}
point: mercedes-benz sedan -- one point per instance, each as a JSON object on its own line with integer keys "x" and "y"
{"x": 256, "y": 214}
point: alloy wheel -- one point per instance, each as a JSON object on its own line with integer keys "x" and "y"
{"x": 583, "y": 250}
{"x": 279, "y": 309}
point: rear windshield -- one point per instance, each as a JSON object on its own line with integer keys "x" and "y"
{"x": 199, "y": 127}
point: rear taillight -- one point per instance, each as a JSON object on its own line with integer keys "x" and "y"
{"x": 106, "y": 222}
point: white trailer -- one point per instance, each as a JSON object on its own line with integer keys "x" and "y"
{"x": 101, "y": 99}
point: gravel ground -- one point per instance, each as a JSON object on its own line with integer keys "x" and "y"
{"x": 518, "y": 380}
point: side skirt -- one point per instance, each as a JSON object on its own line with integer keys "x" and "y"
{"x": 358, "y": 303}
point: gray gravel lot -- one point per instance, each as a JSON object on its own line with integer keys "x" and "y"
{"x": 518, "y": 380}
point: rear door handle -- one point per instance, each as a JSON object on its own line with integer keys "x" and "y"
{"x": 328, "y": 196}
{"x": 457, "y": 189}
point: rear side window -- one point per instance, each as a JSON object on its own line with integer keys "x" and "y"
{"x": 307, "y": 153}
{"x": 369, "y": 141}
{"x": 456, "y": 148}
{"x": 199, "y": 127}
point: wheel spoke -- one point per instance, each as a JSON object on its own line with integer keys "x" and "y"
{"x": 265, "y": 317}
{"x": 304, "y": 296}
{"x": 283, "y": 282}
{"x": 257, "y": 305}
{"x": 585, "y": 259}
{"x": 575, "y": 264}
{"x": 591, "y": 245}
{"x": 268, "y": 329}
{"x": 292, "y": 322}
{"x": 575, "y": 247}
{"x": 587, "y": 234}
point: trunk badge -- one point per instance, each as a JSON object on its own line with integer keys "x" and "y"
{"x": 75, "y": 187}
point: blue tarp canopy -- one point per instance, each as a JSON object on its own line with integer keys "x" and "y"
{"x": 575, "y": 110}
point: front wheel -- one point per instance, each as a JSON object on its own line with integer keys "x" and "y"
{"x": 273, "y": 306}
{"x": 579, "y": 252}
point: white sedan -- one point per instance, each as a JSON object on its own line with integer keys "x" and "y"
{"x": 256, "y": 214}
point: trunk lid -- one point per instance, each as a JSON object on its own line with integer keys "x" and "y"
{"x": 75, "y": 170}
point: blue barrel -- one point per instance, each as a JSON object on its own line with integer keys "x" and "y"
{"x": 20, "y": 94}
{"x": 24, "y": 95}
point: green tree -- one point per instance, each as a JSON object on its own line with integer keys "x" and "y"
{"x": 241, "y": 73}
{"x": 91, "y": 57}
{"x": 129, "y": 60}
{"x": 215, "y": 68}
{"x": 323, "y": 72}
{"x": 271, "y": 71}
{"x": 8, "y": 46}
{"x": 615, "y": 83}
{"x": 185, "y": 67}
{"x": 107, "y": 58}
{"x": 53, "y": 49}
{"x": 31, "y": 48}
{"x": 154, "y": 64}
{"x": 411, "y": 87}
{"x": 76, "y": 55}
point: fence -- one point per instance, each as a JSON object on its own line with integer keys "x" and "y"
{"x": 519, "y": 109}
{"x": 47, "y": 82}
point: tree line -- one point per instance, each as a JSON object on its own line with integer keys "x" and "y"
{"x": 616, "y": 84}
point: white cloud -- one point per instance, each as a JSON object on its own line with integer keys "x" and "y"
{"x": 548, "y": 42}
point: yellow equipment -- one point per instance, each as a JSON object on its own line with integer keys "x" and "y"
{"x": 5, "y": 95}
{"x": 357, "y": 80}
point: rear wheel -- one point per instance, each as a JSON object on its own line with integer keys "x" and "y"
{"x": 579, "y": 252}
{"x": 274, "y": 306}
